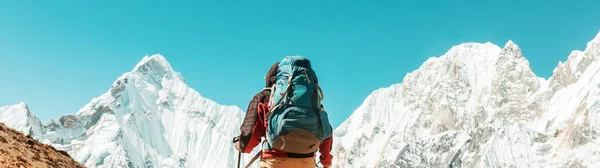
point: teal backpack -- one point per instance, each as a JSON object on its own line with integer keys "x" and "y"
{"x": 297, "y": 121}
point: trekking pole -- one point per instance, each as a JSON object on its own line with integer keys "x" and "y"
{"x": 239, "y": 158}
{"x": 236, "y": 139}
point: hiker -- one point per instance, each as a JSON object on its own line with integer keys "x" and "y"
{"x": 255, "y": 125}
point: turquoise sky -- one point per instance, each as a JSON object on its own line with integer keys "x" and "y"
{"x": 57, "y": 56}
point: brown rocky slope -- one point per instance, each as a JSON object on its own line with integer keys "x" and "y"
{"x": 18, "y": 150}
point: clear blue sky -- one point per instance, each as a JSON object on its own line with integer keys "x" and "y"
{"x": 57, "y": 56}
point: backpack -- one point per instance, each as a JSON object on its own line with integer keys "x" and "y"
{"x": 297, "y": 121}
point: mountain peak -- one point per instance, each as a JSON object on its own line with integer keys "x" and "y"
{"x": 465, "y": 51}
{"x": 511, "y": 45}
{"x": 156, "y": 63}
{"x": 512, "y": 49}
{"x": 473, "y": 46}
{"x": 20, "y": 107}
{"x": 20, "y": 118}
{"x": 593, "y": 46}
{"x": 568, "y": 72}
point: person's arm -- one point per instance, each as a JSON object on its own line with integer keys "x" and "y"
{"x": 252, "y": 128}
{"x": 247, "y": 127}
{"x": 325, "y": 151}
{"x": 258, "y": 130}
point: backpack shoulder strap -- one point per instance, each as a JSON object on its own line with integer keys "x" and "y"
{"x": 272, "y": 104}
{"x": 322, "y": 96}
{"x": 271, "y": 89}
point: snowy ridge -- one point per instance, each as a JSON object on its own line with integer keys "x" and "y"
{"x": 148, "y": 118}
{"x": 480, "y": 105}
{"x": 21, "y": 119}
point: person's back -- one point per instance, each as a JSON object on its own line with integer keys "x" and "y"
{"x": 303, "y": 109}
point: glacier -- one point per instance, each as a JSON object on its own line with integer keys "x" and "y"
{"x": 480, "y": 105}
{"x": 148, "y": 118}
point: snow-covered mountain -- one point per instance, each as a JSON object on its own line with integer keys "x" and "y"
{"x": 21, "y": 119}
{"x": 148, "y": 118}
{"x": 480, "y": 105}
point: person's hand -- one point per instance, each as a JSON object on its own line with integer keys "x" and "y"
{"x": 324, "y": 165}
{"x": 237, "y": 146}
{"x": 236, "y": 143}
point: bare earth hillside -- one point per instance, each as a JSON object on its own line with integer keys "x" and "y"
{"x": 18, "y": 150}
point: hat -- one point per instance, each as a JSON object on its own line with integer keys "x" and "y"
{"x": 271, "y": 75}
